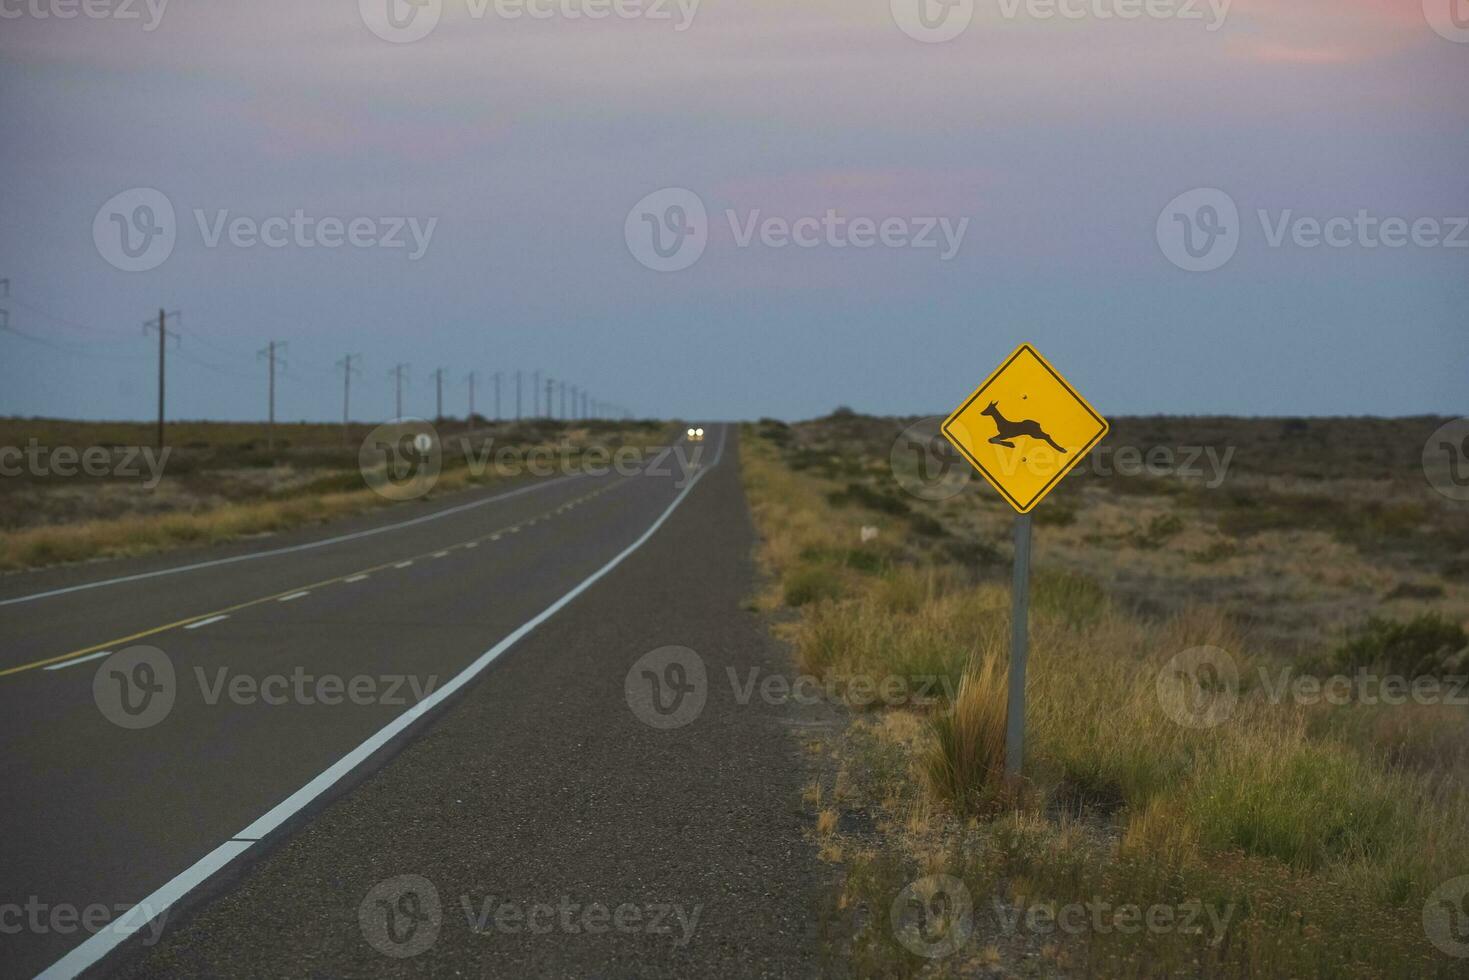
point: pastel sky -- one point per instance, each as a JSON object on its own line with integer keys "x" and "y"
{"x": 1060, "y": 140}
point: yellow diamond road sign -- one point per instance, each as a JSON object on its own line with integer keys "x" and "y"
{"x": 1024, "y": 428}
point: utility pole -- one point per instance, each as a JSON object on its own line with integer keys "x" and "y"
{"x": 535, "y": 395}
{"x": 583, "y": 404}
{"x": 161, "y": 325}
{"x": 549, "y": 385}
{"x": 438, "y": 395}
{"x": 517, "y": 394}
{"x": 348, "y": 364}
{"x": 563, "y": 400}
{"x": 268, "y": 352}
{"x": 469, "y": 419}
{"x": 398, "y": 372}
{"x": 497, "y": 396}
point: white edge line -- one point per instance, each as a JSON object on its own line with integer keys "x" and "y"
{"x": 78, "y": 660}
{"x": 294, "y": 595}
{"x": 293, "y": 548}
{"x": 206, "y": 622}
{"x": 135, "y": 918}
{"x": 354, "y": 578}
{"x": 102, "y": 943}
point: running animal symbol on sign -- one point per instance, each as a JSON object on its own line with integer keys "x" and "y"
{"x": 1008, "y": 430}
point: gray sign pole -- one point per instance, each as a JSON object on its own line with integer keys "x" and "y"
{"x": 1019, "y": 644}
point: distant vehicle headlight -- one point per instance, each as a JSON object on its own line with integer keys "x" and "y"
{"x": 691, "y": 433}
{"x": 698, "y": 433}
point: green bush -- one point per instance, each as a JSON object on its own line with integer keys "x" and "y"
{"x": 1425, "y": 645}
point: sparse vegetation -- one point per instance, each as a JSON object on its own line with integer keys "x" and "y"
{"x": 1322, "y": 827}
{"x": 220, "y": 483}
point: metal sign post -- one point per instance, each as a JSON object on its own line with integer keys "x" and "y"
{"x": 1019, "y": 648}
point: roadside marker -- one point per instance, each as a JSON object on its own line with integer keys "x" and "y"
{"x": 1024, "y": 429}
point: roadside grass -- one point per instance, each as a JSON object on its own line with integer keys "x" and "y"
{"x": 1322, "y": 828}
{"x": 189, "y": 521}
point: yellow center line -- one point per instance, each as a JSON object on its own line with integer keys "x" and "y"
{"x": 490, "y": 536}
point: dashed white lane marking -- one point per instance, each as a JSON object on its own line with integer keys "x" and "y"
{"x": 101, "y": 943}
{"x": 206, "y": 622}
{"x": 354, "y": 578}
{"x": 403, "y": 564}
{"x": 294, "y": 595}
{"x": 439, "y": 554}
{"x": 80, "y": 660}
{"x": 494, "y": 537}
{"x": 471, "y": 544}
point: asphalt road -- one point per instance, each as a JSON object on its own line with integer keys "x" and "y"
{"x": 478, "y": 646}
